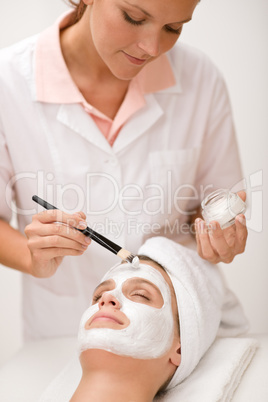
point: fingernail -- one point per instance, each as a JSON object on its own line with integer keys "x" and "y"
{"x": 87, "y": 240}
{"x": 196, "y": 223}
{"x": 82, "y": 225}
{"x": 241, "y": 219}
{"x": 214, "y": 226}
{"x": 201, "y": 227}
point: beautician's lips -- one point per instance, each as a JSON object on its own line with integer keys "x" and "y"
{"x": 135, "y": 60}
{"x": 106, "y": 317}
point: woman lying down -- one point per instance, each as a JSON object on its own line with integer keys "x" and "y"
{"x": 149, "y": 324}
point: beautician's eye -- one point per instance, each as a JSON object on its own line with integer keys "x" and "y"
{"x": 130, "y": 20}
{"x": 172, "y": 30}
{"x": 139, "y": 22}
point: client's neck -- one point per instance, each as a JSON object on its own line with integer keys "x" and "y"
{"x": 114, "y": 381}
{"x": 103, "y": 387}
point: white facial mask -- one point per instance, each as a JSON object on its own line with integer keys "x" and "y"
{"x": 150, "y": 332}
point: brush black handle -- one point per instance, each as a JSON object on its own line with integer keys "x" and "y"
{"x": 43, "y": 203}
{"x": 98, "y": 238}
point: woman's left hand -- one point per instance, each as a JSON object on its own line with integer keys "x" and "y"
{"x": 221, "y": 245}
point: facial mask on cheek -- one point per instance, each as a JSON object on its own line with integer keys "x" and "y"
{"x": 150, "y": 332}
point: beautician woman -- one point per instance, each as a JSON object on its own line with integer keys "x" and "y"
{"x": 101, "y": 113}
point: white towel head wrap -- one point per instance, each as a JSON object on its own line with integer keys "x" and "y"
{"x": 200, "y": 294}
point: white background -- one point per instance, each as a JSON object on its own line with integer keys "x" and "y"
{"x": 234, "y": 34}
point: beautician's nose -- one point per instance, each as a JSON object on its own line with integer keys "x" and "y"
{"x": 107, "y": 299}
{"x": 150, "y": 44}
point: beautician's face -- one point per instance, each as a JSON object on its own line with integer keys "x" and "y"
{"x": 132, "y": 314}
{"x": 128, "y": 34}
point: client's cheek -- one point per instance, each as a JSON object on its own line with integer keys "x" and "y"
{"x": 88, "y": 314}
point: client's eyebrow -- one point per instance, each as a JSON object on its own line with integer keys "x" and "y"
{"x": 103, "y": 284}
{"x": 135, "y": 281}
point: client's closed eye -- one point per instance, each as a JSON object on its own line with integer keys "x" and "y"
{"x": 140, "y": 290}
{"x": 103, "y": 287}
{"x": 96, "y": 298}
{"x": 140, "y": 294}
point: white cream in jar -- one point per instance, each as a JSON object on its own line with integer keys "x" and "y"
{"x": 222, "y": 206}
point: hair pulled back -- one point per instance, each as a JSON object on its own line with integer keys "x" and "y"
{"x": 79, "y": 7}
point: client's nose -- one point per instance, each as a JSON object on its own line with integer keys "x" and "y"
{"x": 107, "y": 299}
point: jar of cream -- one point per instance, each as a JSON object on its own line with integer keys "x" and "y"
{"x": 222, "y": 206}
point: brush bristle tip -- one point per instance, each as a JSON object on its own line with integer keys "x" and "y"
{"x": 125, "y": 255}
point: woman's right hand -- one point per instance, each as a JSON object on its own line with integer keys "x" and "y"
{"x": 51, "y": 236}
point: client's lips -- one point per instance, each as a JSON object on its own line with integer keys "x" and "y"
{"x": 101, "y": 316}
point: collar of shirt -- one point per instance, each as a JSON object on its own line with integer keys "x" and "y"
{"x": 54, "y": 84}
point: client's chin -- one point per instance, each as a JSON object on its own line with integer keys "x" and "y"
{"x": 92, "y": 359}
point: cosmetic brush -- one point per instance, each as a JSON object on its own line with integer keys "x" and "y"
{"x": 98, "y": 238}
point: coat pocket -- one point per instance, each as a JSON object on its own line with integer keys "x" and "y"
{"x": 173, "y": 174}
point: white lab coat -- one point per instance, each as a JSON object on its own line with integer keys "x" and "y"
{"x": 180, "y": 142}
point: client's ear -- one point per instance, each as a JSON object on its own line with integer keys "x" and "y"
{"x": 175, "y": 356}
